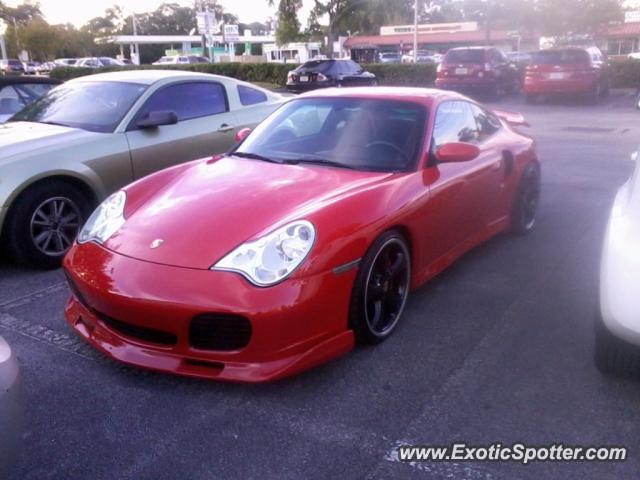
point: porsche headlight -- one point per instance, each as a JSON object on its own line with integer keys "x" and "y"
{"x": 274, "y": 257}
{"x": 106, "y": 220}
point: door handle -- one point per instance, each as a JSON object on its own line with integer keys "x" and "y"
{"x": 225, "y": 127}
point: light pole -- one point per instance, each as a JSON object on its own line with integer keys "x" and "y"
{"x": 3, "y": 47}
{"x": 415, "y": 32}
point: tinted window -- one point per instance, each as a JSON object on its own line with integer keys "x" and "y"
{"x": 487, "y": 123}
{"x": 10, "y": 102}
{"x": 30, "y": 92}
{"x": 189, "y": 100}
{"x": 468, "y": 55}
{"x": 454, "y": 122}
{"x": 93, "y": 106}
{"x": 364, "y": 134}
{"x": 560, "y": 57}
{"x": 317, "y": 66}
{"x": 251, "y": 96}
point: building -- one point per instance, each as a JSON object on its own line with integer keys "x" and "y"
{"x": 291, "y": 52}
{"x": 621, "y": 39}
{"x": 437, "y": 37}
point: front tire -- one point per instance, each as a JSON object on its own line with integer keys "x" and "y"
{"x": 523, "y": 215}
{"x": 612, "y": 355}
{"x": 381, "y": 289}
{"x": 43, "y": 222}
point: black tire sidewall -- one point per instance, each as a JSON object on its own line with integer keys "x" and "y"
{"x": 530, "y": 174}
{"x": 357, "y": 316}
{"x": 17, "y": 229}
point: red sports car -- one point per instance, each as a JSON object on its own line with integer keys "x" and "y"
{"x": 304, "y": 239}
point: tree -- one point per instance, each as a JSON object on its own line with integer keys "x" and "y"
{"x": 288, "y": 29}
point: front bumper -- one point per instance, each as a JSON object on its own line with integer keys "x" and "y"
{"x": 11, "y": 419}
{"x": 295, "y": 325}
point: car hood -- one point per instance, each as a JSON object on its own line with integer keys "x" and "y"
{"x": 198, "y": 214}
{"x": 20, "y": 138}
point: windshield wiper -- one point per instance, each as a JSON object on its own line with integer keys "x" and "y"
{"x": 254, "y": 156}
{"x": 320, "y": 161}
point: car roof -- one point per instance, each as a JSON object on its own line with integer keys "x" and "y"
{"x": 475, "y": 47}
{"x": 425, "y": 96}
{"x": 13, "y": 80}
{"x": 144, "y": 77}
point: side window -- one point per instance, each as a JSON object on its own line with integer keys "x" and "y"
{"x": 454, "y": 122}
{"x": 250, "y": 96}
{"x": 10, "y": 101}
{"x": 188, "y": 100}
{"x": 487, "y": 123}
{"x": 353, "y": 66}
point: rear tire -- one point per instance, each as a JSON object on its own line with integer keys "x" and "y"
{"x": 43, "y": 222}
{"x": 612, "y": 355}
{"x": 525, "y": 206}
{"x": 381, "y": 289}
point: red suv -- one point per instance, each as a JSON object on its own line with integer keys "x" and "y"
{"x": 484, "y": 69}
{"x": 569, "y": 70}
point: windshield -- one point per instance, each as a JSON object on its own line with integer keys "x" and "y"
{"x": 468, "y": 55}
{"x": 92, "y": 106}
{"x": 561, "y": 57}
{"x": 364, "y": 134}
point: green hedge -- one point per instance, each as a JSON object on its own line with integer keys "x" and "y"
{"x": 420, "y": 74}
{"x": 388, "y": 74}
{"x": 625, "y": 73}
{"x": 250, "y": 72}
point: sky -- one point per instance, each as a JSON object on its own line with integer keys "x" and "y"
{"x": 79, "y": 11}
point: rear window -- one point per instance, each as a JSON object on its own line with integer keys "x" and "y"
{"x": 15, "y": 63}
{"x": 316, "y": 66}
{"x": 469, "y": 55}
{"x": 560, "y": 57}
{"x": 251, "y": 96}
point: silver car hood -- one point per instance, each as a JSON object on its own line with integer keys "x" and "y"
{"x": 20, "y": 138}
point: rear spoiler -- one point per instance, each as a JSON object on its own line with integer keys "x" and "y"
{"x": 512, "y": 118}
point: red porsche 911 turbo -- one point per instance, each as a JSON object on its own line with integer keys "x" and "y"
{"x": 304, "y": 239}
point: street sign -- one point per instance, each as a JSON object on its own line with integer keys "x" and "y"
{"x": 231, "y": 33}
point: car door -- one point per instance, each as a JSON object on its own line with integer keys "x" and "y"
{"x": 461, "y": 192}
{"x": 205, "y": 126}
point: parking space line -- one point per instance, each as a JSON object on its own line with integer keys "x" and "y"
{"x": 20, "y": 301}
{"x": 42, "y": 334}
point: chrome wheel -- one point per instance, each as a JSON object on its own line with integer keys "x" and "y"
{"x": 387, "y": 287}
{"x": 54, "y": 225}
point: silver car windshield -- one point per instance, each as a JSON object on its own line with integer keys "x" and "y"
{"x": 92, "y": 106}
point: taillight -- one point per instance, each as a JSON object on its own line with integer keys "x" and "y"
{"x": 439, "y": 68}
{"x": 321, "y": 78}
{"x": 487, "y": 67}
{"x": 291, "y": 76}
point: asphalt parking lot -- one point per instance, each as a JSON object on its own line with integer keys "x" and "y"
{"x": 496, "y": 349}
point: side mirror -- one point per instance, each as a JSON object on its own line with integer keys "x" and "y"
{"x": 242, "y": 134}
{"x": 158, "y": 118}
{"x": 456, "y": 152}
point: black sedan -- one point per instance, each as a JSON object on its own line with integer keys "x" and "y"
{"x": 17, "y": 92}
{"x": 328, "y": 73}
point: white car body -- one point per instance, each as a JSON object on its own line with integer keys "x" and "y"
{"x": 620, "y": 268}
{"x": 172, "y": 60}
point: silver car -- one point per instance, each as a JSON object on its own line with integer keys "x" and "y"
{"x": 10, "y": 409}
{"x": 83, "y": 140}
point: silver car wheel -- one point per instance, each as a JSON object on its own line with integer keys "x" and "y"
{"x": 54, "y": 225}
